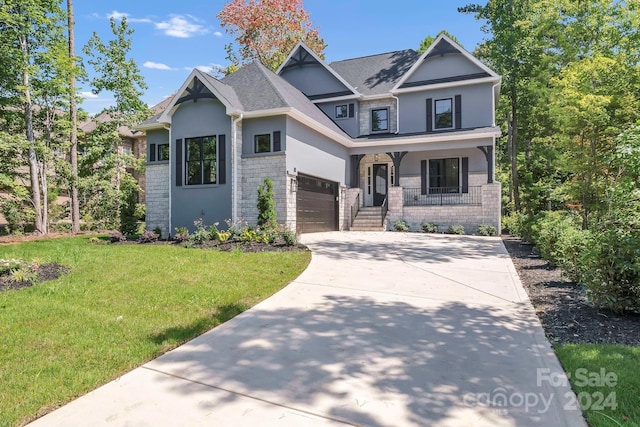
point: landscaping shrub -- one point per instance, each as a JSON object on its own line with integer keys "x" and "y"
{"x": 116, "y": 236}
{"x": 289, "y": 236}
{"x": 158, "y": 231}
{"x": 266, "y": 205}
{"x": 487, "y": 230}
{"x": 571, "y": 246}
{"x": 547, "y": 230}
{"x": 201, "y": 234}
{"x": 456, "y": 229}
{"x": 182, "y": 234}
{"x": 430, "y": 227}
{"x": 148, "y": 237}
{"x": 611, "y": 269}
{"x": 401, "y": 225}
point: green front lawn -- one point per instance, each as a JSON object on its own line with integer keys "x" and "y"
{"x": 120, "y": 306}
{"x": 606, "y": 381}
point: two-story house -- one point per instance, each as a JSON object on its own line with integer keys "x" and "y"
{"x": 352, "y": 144}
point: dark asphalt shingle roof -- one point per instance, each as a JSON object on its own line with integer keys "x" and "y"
{"x": 376, "y": 74}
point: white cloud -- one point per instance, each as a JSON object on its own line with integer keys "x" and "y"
{"x": 156, "y": 66}
{"x": 182, "y": 26}
{"x": 88, "y": 95}
{"x": 209, "y": 69}
{"x": 118, "y": 15}
{"x": 217, "y": 34}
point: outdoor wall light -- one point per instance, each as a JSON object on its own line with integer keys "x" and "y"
{"x": 294, "y": 185}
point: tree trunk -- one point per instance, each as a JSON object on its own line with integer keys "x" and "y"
{"x": 514, "y": 148}
{"x": 33, "y": 157}
{"x": 73, "y": 113}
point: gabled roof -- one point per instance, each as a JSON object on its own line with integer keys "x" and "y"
{"x": 195, "y": 84}
{"x": 443, "y": 45}
{"x": 91, "y": 124}
{"x": 259, "y": 89}
{"x": 311, "y": 55}
{"x": 376, "y": 74}
{"x": 154, "y": 121}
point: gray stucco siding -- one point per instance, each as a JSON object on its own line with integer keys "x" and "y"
{"x": 157, "y": 137}
{"x": 259, "y": 126}
{"x": 313, "y": 80}
{"x": 350, "y": 124}
{"x": 211, "y": 202}
{"x": 476, "y": 106}
{"x": 439, "y": 67}
{"x": 311, "y": 153}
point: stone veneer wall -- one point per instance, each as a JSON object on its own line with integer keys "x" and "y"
{"x": 469, "y": 216}
{"x": 349, "y": 196}
{"x": 254, "y": 170}
{"x": 157, "y": 197}
{"x": 414, "y": 181}
{"x": 365, "y": 114}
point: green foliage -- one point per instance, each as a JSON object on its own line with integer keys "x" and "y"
{"x": 428, "y": 41}
{"x": 401, "y": 225}
{"x": 289, "y": 236}
{"x": 456, "y": 229}
{"x": 18, "y": 214}
{"x": 248, "y": 235}
{"x": 201, "y": 234}
{"x": 182, "y": 234}
{"x": 223, "y": 236}
{"x": 487, "y": 230}
{"x": 266, "y": 205}
{"x": 429, "y": 227}
{"x": 116, "y": 236}
{"x": 547, "y": 229}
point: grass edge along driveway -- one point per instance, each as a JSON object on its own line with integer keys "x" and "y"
{"x": 119, "y": 307}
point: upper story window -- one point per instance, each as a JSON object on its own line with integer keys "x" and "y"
{"x": 444, "y": 113}
{"x": 342, "y": 111}
{"x": 262, "y": 143}
{"x": 201, "y": 160}
{"x": 163, "y": 152}
{"x": 380, "y": 120}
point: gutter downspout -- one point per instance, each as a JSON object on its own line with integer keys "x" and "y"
{"x": 493, "y": 103}
{"x": 234, "y": 168}
{"x": 168, "y": 128}
{"x": 397, "y": 113}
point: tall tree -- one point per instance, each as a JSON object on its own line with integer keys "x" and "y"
{"x": 428, "y": 41}
{"x": 29, "y": 28}
{"x": 120, "y": 75}
{"x": 267, "y": 30}
{"x": 73, "y": 116}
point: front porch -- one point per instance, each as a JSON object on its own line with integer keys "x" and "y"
{"x": 445, "y": 187}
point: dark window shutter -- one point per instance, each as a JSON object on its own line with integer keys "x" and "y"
{"x": 178, "y": 162}
{"x": 277, "y": 146}
{"x": 222, "y": 159}
{"x": 352, "y": 110}
{"x": 423, "y": 177}
{"x": 465, "y": 174}
{"x": 152, "y": 152}
{"x": 458, "y": 108}
{"x": 429, "y": 115}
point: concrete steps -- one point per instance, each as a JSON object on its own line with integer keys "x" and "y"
{"x": 368, "y": 219}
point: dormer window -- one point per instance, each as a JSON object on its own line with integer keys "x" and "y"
{"x": 380, "y": 120}
{"x": 342, "y": 111}
{"x": 444, "y": 113}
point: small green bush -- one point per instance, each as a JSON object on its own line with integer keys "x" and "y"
{"x": 455, "y": 229}
{"x": 487, "y": 230}
{"x": 182, "y": 234}
{"x": 518, "y": 224}
{"x": 289, "y": 236}
{"x": 429, "y": 227}
{"x": 223, "y": 236}
{"x": 401, "y": 225}
{"x": 266, "y": 205}
{"x": 116, "y": 236}
{"x": 248, "y": 235}
{"x": 201, "y": 234}
{"x": 158, "y": 231}
{"x": 547, "y": 230}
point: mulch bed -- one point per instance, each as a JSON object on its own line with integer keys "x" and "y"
{"x": 225, "y": 247}
{"x": 46, "y": 272}
{"x": 562, "y": 307}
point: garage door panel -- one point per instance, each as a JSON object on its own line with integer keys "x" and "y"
{"x": 317, "y": 208}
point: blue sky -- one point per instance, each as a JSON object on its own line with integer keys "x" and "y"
{"x": 171, "y": 38}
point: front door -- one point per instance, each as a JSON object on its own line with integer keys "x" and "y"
{"x": 380, "y": 186}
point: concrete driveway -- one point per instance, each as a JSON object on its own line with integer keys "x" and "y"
{"x": 382, "y": 329}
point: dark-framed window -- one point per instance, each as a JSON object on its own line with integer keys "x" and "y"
{"x": 444, "y": 175}
{"x": 163, "y": 152}
{"x": 201, "y": 160}
{"x": 342, "y": 111}
{"x": 262, "y": 143}
{"x": 380, "y": 120}
{"x": 443, "y": 117}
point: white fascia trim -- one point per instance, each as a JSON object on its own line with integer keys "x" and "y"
{"x": 308, "y": 121}
{"x": 429, "y": 139}
{"x": 144, "y": 128}
{"x": 377, "y": 97}
{"x": 337, "y": 99}
{"x": 321, "y": 61}
{"x": 462, "y": 50}
{"x": 267, "y": 113}
{"x": 447, "y": 85}
{"x": 172, "y": 107}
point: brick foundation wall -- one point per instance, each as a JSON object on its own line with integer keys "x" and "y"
{"x": 157, "y": 197}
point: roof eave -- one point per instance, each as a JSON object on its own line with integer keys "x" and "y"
{"x": 458, "y": 83}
